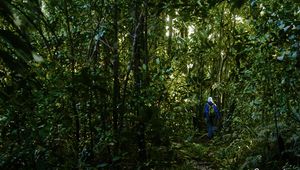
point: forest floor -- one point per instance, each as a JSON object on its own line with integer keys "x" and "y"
{"x": 198, "y": 153}
{"x": 199, "y": 165}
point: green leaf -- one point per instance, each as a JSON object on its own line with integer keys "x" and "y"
{"x": 281, "y": 24}
{"x": 157, "y": 61}
{"x": 280, "y": 58}
{"x": 144, "y": 67}
{"x": 116, "y": 158}
{"x": 102, "y": 165}
{"x": 286, "y": 28}
{"x": 37, "y": 57}
{"x": 293, "y": 55}
{"x": 253, "y": 3}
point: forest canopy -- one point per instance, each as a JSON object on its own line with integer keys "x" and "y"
{"x": 116, "y": 84}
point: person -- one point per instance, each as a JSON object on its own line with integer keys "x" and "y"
{"x": 211, "y": 114}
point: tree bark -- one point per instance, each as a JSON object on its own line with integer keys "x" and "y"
{"x": 170, "y": 36}
{"x": 73, "y": 97}
{"x": 116, "y": 87}
{"x": 138, "y": 51}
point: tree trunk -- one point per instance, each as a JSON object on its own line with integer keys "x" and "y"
{"x": 138, "y": 51}
{"x": 116, "y": 87}
{"x": 73, "y": 97}
{"x": 170, "y": 25}
{"x": 90, "y": 113}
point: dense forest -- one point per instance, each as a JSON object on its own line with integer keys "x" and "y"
{"x": 122, "y": 84}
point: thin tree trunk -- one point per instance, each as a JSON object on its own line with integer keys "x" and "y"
{"x": 116, "y": 89}
{"x": 145, "y": 45}
{"x": 104, "y": 97}
{"x": 138, "y": 39}
{"x": 221, "y": 58}
{"x": 90, "y": 113}
{"x": 170, "y": 25}
{"x": 73, "y": 97}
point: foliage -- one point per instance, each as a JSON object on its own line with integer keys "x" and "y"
{"x": 122, "y": 84}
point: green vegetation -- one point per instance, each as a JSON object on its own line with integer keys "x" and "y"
{"x": 115, "y": 84}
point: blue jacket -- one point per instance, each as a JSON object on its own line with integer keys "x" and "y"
{"x": 206, "y": 110}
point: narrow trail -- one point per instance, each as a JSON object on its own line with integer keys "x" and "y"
{"x": 201, "y": 165}
{"x": 198, "y": 153}
{"x": 204, "y": 164}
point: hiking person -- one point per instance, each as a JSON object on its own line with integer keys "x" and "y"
{"x": 211, "y": 115}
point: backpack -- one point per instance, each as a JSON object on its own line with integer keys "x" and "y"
{"x": 211, "y": 112}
